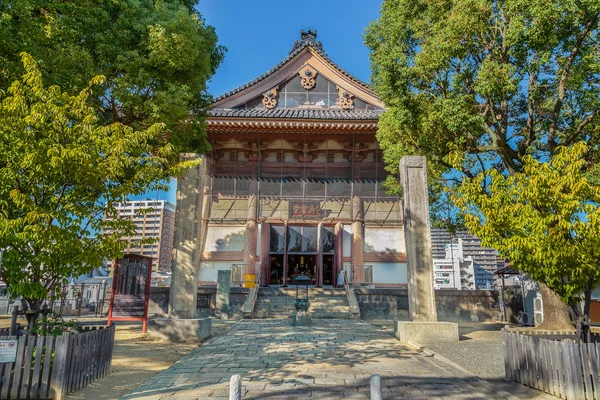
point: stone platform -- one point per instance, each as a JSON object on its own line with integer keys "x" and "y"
{"x": 333, "y": 359}
{"x": 425, "y": 332}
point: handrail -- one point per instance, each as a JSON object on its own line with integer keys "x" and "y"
{"x": 255, "y": 293}
{"x": 352, "y": 302}
{"x": 248, "y": 309}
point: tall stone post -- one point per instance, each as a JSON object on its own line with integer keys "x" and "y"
{"x": 358, "y": 239}
{"x": 251, "y": 236}
{"x": 186, "y": 241}
{"x": 415, "y": 202}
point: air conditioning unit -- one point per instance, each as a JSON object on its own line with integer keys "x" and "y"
{"x": 526, "y": 319}
{"x": 538, "y": 309}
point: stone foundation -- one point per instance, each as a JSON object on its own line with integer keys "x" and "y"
{"x": 451, "y": 305}
{"x": 426, "y": 332}
{"x": 179, "y": 329}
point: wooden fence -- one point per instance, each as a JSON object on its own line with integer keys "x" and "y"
{"x": 49, "y": 367}
{"x": 564, "y": 368}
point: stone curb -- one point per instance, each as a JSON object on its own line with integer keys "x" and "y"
{"x": 465, "y": 371}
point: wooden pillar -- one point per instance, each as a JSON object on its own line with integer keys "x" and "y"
{"x": 358, "y": 239}
{"x": 285, "y": 253}
{"x": 339, "y": 252}
{"x": 265, "y": 260}
{"x": 251, "y": 237}
{"x": 320, "y": 254}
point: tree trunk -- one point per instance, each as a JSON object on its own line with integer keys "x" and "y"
{"x": 32, "y": 311}
{"x": 556, "y": 312}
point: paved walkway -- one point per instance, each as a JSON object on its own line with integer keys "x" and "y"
{"x": 333, "y": 359}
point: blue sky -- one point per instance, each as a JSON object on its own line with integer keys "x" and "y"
{"x": 259, "y": 35}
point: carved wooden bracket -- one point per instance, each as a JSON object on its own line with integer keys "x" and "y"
{"x": 308, "y": 75}
{"x": 345, "y": 99}
{"x": 270, "y": 98}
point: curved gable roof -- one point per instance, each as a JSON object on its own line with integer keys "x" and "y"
{"x": 307, "y": 44}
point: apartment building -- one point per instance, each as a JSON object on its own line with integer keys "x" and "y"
{"x": 157, "y": 222}
{"x": 454, "y": 271}
{"x": 485, "y": 259}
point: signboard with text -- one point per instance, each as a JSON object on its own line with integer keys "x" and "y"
{"x": 299, "y": 209}
{"x": 8, "y": 351}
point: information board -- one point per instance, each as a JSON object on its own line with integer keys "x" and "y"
{"x": 131, "y": 289}
{"x": 8, "y": 351}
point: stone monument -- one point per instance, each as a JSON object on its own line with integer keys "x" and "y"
{"x": 423, "y": 325}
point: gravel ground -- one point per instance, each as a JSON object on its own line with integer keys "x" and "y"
{"x": 478, "y": 351}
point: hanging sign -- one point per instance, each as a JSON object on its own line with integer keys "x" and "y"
{"x": 300, "y": 209}
{"x": 8, "y": 351}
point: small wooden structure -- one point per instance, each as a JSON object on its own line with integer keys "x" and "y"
{"x": 131, "y": 289}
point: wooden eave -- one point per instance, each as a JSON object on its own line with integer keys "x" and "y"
{"x": 273, "y": 125}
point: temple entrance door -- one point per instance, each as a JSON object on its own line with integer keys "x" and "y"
{"x": 328, "y": 270}
{"x": 302, "y": 264}
{"x": 276, "y": 270}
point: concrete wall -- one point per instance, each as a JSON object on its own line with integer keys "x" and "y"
{"x": 384, "y": 240}
{"x": 225, "y": 238}
{"x": 389, "y": 272}
{"x": 451, "y": 305}
{"x": 209, "y": 270}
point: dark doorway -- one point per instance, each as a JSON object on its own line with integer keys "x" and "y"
{"x": 328, "y": 270}
{"x": 302, "y": 264}
{"x": 276, "y": 271}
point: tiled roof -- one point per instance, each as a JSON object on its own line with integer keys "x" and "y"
{"x": 308, "y": 39}
{"x": 296, "y": 114}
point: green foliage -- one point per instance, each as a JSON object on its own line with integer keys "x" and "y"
{"x": 61, "y": 170}
{"x": 54, "y": 325}
{"x": 545, "y": 219}
{"x": 156, "y": 57}
{"x": 485, "y": 82}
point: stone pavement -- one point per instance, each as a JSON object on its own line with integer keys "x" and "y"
{"x": 333, "y": 359}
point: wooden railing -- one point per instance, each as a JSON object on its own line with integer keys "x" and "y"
{"x": 48, "y": 367}
{"x": 564, "y": 368}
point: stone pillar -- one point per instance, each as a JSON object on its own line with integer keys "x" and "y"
{"x": 415, "y": 203}
{"x": 223, "y": 291}
{"x": 251, "y": 236}
{"x": 358, "y": 239}
{"x": 186, "y": 241}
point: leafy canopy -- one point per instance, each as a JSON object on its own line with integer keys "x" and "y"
{"x": 156, "y": 57}
{"x": 545, "y": 219}
{"x": 485, "y": 81}
{"x": 61, "y": 170}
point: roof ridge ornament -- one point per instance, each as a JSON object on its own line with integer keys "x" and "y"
{"x": 345, "y": 99}
{"x": 270, "y": 98}
{"x": 308, "y": 75}
{"x": 307, "y": 38}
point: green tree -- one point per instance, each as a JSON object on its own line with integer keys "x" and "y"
{"x": 156, "y": 57}
{"x": 489, "y": 83}
{"x": 545, "y": 220}
{"x": 61, "y": 170}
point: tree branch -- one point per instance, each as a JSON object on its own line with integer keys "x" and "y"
{"x": 562, "y": 85}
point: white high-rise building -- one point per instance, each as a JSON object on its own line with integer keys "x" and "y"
{"x": 158, "y": 223}
{"x": 454, "y": 271}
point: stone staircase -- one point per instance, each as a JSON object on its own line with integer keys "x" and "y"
{"x": 278, "y": 302}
